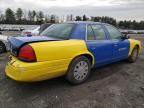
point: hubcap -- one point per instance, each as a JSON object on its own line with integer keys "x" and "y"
{"x": 81, "y": 70}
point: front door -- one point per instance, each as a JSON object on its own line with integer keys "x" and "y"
{"x": 120, "y": 46}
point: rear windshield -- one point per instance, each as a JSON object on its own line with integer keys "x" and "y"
{"x": 61, "y": 31}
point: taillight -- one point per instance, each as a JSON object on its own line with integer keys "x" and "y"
{"x": 26, "y": 53}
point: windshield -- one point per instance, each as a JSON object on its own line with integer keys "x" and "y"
{"x": 61, "y": 31}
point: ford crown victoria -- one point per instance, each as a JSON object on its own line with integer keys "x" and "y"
{"x": 69, "y": 49}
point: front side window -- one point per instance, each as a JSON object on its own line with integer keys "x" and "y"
{"x": 98, "y": 32}
{"x": 114, "y": 33}
{"x": 61, "y": 31}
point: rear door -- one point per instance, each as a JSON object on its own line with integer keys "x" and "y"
{"x": 120, "y": 46}
{"x": 98, "y": 44}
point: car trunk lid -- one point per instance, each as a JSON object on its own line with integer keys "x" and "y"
{"x": 17, "y": 42}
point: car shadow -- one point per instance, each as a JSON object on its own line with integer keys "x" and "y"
{"x": 106, "y": 71}
{"x": 60, "y": 84}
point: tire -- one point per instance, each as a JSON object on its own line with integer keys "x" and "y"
{"x": 134, "y": 55}
{"x": 79, "y": 70}
{"x": 2, "y": 47}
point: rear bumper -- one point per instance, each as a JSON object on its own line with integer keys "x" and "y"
{"x": 29, "y": 72}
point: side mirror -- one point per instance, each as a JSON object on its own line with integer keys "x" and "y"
{"x": 125, "y": 36}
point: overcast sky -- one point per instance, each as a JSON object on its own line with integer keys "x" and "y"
{"x": 119, "y": 9}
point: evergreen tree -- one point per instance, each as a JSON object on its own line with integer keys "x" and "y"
{"x": 33, "y": 15}
{"x": 19, "y": 14}
{"x": 10, "y": 17}
{"x": 40, "y": 15}
{"x": 78, "y": 18}
{"x": 30, "y": 16}
{"x": 52, "y": 19}
{"x": 84, "y": 18}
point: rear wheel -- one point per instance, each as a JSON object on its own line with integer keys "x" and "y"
{"x": 79, "y": 70}
{"x": 134, "y": 55}
{"x": 2, "y": 47}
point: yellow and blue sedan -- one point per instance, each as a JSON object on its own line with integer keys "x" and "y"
{"x": 69, "y": 49}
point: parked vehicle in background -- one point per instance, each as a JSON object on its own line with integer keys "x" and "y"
{"x": 12, "y": 27}
{"x": 124, "y": 31}
{"x": 69, "y": 49}
{"x": 35, "y": 31}
{"x": 31, "y": 32}
{"x": 6, "y": 29}
{"x": 21, "y": 28}
{"x": 140, "y": 31}
{"x": 15, "y": 29}
{"x": 4, "y": 46}
{"x": 132, "y": 32}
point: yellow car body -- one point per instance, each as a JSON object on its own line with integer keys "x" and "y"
{"x": 50, "y": 63}
{"x": 134, "y": 43}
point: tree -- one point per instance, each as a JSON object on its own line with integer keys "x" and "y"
{"x": 52, "y": 19}
{"x": 40, "y": 16}
{"x": 78, "y": 18}
{"x": 1, "y": 16}
{"x": 96, "y": 19}
{"x": 84, "y": 18}
{"x": 10, "y": 17}
{"x": 47, "y": 18}
{"x": 30, "y": 16}
{"x": 71, "y": 17}
{"x": 19, "y": 14}
{"x": 33, "y": 15}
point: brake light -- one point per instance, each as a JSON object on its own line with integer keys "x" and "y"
{"x": 27, "y": 54}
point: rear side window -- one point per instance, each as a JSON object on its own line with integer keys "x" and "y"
{"x": 95, "y": 32}
{"x": 113, "y": 32}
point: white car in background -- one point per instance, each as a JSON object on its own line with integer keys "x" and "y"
{"x": 31, "y": 32}
{"x": 3, "y": 43}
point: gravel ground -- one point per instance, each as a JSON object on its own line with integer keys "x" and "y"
{"x": 118, "y": 85}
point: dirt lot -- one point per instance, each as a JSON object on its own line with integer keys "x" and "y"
{"x": 118, "y": 85}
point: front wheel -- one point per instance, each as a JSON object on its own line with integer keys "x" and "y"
{"x": 134, "y": 55}
{"x": 79, "y": 70}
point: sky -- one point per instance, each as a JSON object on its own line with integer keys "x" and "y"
{"x": 119, "y": 9}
